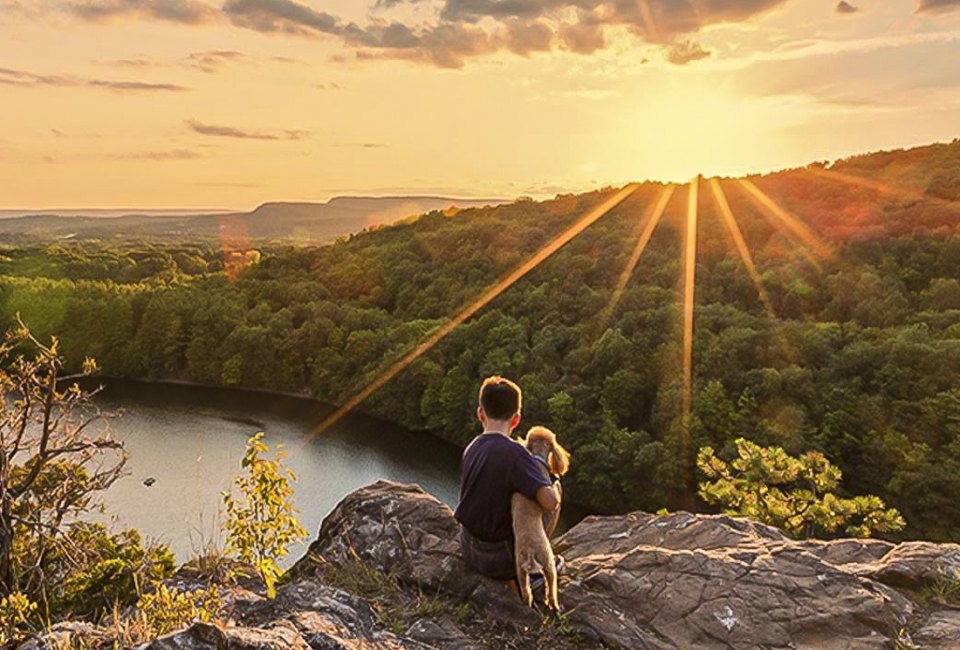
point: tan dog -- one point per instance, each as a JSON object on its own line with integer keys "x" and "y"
{"x": 532, "y": 550}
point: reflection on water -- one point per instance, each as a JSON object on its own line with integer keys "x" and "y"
{"x": 191, "y": 441}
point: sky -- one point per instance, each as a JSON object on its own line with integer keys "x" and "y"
{"x": 231, "y": 103}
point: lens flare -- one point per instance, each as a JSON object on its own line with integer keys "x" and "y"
{"x": 804, "y": 238}
{"x": 548, "y": 250}
{"x": 235, "y": 243}
{"x": 653, "y": 218}
{"x": 689, "y": 292}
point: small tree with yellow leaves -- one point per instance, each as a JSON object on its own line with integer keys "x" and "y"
{"x": 263, "y": 524}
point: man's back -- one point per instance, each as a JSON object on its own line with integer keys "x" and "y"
{"x": 492, "y": 469}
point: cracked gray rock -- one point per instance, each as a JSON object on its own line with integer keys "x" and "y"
{"x": 680, "y": 580}
{"x": 636, "y": 581}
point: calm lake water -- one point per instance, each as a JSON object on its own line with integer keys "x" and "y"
{"x": 191, "y": 441}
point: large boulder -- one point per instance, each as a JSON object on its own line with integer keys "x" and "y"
{"x": 409, "y": 534}
{"x": 680, "y": 580}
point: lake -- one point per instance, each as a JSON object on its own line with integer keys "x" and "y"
{"x": 191, "y": 440}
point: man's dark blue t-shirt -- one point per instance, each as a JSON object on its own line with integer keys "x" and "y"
{"x": 492, "y": 469}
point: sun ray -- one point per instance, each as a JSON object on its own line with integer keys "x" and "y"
{"x": 476, "y": 306}
{"x": 653, "y": 218}
{"x": 689, "y": 292}
{"x": 734, "y": 229}
{"x": 859, "y": 181}
{"x": 730, "y": 221}
{"x": 649, "y": 24}
{"x": 792, "y": 225}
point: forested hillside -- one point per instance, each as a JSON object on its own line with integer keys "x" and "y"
{"x": 860, "y": 357}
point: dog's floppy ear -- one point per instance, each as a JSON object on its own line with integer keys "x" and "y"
{"x": 559, "y": 460}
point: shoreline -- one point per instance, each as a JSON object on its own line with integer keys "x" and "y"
{"x": 573, "y": 509}
{"x": 300, "y": 397}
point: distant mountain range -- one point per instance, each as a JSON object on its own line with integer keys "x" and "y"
{"x": 270, "y": 222}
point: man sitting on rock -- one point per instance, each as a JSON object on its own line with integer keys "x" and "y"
{"x": 494, "y": 467}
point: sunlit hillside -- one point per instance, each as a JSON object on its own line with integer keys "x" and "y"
{"x": 826, "y": 316}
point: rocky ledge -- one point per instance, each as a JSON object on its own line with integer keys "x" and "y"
{"x": 634, "y": 581}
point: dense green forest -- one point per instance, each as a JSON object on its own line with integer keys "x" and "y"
{"x": 861, "y": 361}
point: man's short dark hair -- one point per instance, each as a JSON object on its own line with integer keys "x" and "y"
{"x": 500, "y": 398}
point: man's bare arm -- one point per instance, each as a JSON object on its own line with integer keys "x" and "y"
{"x": 547, "y": 499}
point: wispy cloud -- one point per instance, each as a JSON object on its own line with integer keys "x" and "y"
{"x": 17, "y": 8}
{"x": 135, "y": 85}
{"x": 192, "y": 12}
{"x": 937, "y": 6}
{"x": 245, "y": 134}
{"x": 13, "y": 77}
{"x": 209, "y": 61}
{"x": 174, "y": 154}
{"x": 284, "y": 16}
{"x": 214, "y": 60}
{"x": 363, "y": 145}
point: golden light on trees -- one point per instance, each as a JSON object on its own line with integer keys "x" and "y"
{"x": 504, "y": 284}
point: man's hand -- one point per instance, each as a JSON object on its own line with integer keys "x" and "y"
{"x": 548, "y": 499}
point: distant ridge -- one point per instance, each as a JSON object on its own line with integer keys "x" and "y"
{"x": 275, "y": 221}
{"x": 106, "y": 213}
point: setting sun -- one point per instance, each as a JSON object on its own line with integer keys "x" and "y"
{"x": 693, "y": 126}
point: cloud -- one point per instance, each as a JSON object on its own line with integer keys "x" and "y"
{"x": 445, "y": 45}
{"x": 525, "y": 37}
{"x": 582, "y": 38}
{"x": 844, "y": 7}
{"x": 131, "y": 63}
{"x": 244, "y": 134}
{"x": 471, "y": 28}
{"x": 684, "y": 52}
{"x": 12, "y": 8}
{"x": 175, "y": 154}
{"x": 284, "y": 16}
{"x": 135, "y": 85}
{"x": 192, "y": 12}
{"x": 209, "y": 61}
{"x": 13, "y": 77}
{"x": 937, "y": 6}
{"x": 387, "y": 4}
{"x": 214, "y": 60}
{"x": 462, "y": 29}
{"x": 655, "y": 20}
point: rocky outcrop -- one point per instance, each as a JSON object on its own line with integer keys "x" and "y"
{"x": 680, "y": 580}
{"x": 635, "y": 581}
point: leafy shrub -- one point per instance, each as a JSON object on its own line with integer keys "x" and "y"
{"x": 15, "y": 612}
{"x": 111, "y": 568}
{"x": 794, "y": 494}
{"x": 263, "y": 525}
{"x": 166, "y": 610}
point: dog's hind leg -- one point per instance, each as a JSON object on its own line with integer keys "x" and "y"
{"x": 550, "y": 586}
{"x": 523, "y": 581}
